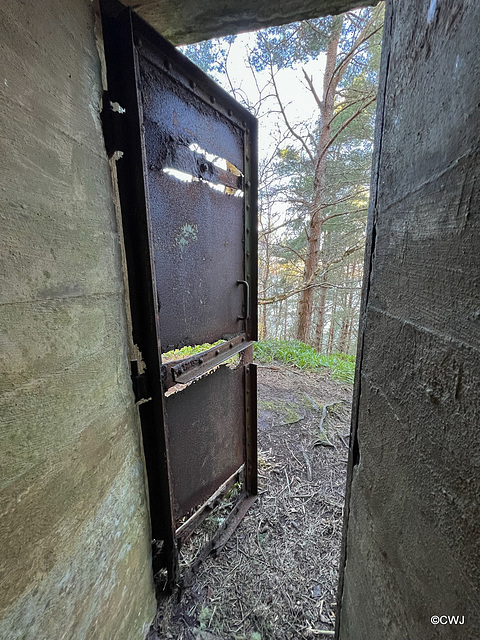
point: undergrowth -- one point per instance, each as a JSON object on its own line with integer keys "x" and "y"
{"x": 291, "y": 352}
{"x": 301, "y": 355}
{"x": 184, "y": 352}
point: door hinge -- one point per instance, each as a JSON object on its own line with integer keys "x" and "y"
{"x": 112, "y": 122}
{"x": 139, "y": 382}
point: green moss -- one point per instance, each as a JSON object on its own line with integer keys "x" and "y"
{"x": 205, "y": 617}
{"x": 185, "y": 352}
{"x": 310, "y": 404}
{"x": 265, "y": 405}
{"x": 285, "y": 412}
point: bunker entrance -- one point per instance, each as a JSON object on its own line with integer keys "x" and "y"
{"x": 187, "y": 186}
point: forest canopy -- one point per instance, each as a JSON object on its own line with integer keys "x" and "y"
{"x": 313, "y": 86}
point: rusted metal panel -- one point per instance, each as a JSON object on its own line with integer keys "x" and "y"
{"x": 197, "y": 231}
{"x": 206, "y": 426}
{"x": 187, "y": 183}
{"x": 173, "y": 87}
{"x": 197, "y": 261}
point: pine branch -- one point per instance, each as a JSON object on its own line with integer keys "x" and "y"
{"x": 309, "y": 80}
{"x": 349, "y": 197}
{"x": 287, "y": 122}
{"x": 350, "y": 104}
{"x": 344, "y": 213}
{"x": 286, "y": 248}
{"x": 280, "y": 226}
{"x": 343, "y": 127}
{"x": 311, "y": 284}
{"x": 363, "y": 37}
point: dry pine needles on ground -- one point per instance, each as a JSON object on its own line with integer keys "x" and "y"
{"x": 277, "y": 576}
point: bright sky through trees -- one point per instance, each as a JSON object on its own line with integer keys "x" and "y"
{"x": 312, "y": 85}
{"x": 249, "y": 86}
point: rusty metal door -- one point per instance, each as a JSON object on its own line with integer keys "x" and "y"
{"x": 186, "y": 167}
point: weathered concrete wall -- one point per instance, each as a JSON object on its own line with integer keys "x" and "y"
{"x": 191, "y": 20}
{"x": 74, "y": 529}
{"x": 413, "y": 526}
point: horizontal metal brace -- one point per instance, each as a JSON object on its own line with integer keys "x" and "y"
{"x": 183, "y": 371}
{"x": 221, "y": 536}
{"x": 187, "y": 528}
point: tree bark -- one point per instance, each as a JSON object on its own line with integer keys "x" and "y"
{"x": 279, "y": 320}
{"x": 331, "y": 332}
{"x": 330, "y": 81}
{"x": 318, "y": 343}
{"x": 347, "y": 310}
{"x": 353, "y": 317}
{"x": 350, "y": 347}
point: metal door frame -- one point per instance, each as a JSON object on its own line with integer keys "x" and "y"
{"x": 122, "y": 121}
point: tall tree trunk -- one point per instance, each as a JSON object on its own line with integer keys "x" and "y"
{"x": 263, "y": 325}
{"x": 265, "y": 278}
{"x": 331, "y": 332}
{"x": 348, "y": 336}
{"x": 347, "y": 310}
{"x": 276, "y": 315}
{"x": 353, "y": 316}
{"x": 330, "y": 81}
{"x": 351, "y": 344}
{"x": 342, "y": 339}
{"x": 318, "y": 343}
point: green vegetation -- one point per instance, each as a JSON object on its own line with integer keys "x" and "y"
{"x": 185, "y": 352}
{"x": 290, "y": 352}
{"x": 301, "y": 355}
{"x": 284, "y": 410}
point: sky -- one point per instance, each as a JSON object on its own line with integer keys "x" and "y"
{"x": 296, "y": 97}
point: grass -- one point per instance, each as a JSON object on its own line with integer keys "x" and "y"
{"x": 301, "y": 355}
{"x": 185, "y": 352}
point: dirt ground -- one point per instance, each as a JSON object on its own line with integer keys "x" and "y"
{"x": 276, "y": 578}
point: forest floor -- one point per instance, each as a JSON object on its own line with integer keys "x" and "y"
{"x": 276, "y": 578}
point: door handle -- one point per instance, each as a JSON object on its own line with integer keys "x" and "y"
{"x": 247, "y": 288}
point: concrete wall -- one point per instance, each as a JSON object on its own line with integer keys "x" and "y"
{"x": 194, "y": 20}
{"x": 414, "y": 493}
{"x": 74, "y": 529}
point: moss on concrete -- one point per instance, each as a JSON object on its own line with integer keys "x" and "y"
{"x": 74, "y": 531}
